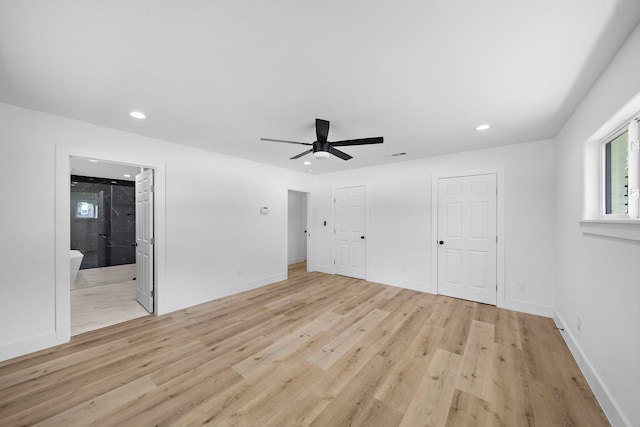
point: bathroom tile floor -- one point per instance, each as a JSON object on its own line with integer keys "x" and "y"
{"x": 104, "y": 276}
{"x": 104, "y": 304}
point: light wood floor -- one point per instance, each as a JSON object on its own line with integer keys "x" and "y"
{"x": 316, "y": 350}
{"x": 106, "y": 296}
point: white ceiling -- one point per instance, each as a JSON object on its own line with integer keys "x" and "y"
{"x": 221, "y": 74}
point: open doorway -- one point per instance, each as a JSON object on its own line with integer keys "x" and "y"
{"x": 108, "y": 232}
{"x": 298, "y": 234}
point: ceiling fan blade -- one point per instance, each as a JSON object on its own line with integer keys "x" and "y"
{"x": 282, "y": 140}
{"x": 338, "y": 153}
{"x": 322, "y": 129}
{"x": 361, "y": 141}
{"x": 301, "y": 154}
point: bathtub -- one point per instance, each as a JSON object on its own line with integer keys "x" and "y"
{"x": 76, "y": 260}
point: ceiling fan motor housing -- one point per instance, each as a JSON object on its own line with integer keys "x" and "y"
{"x": 321, "y": 146}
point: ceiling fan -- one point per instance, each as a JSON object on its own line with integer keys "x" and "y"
{"x": 321, "y": 148}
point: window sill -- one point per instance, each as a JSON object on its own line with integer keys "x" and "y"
{"x": 627, "y": 229}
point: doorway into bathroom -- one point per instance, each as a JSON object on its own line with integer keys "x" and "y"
{"x": 110, "y": 213}
{"x": 298, "y": 235}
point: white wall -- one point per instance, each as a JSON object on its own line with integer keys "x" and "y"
{"x": 215, "y": 242}
{"x": 598, "y": 278}
{"x": 400, "y": 219}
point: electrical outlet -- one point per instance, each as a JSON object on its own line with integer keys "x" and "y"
{"x": 522, "y": 286}
{"x": 240, "y": 273}
{"x": 404, "y": 268}
{"x": 579, "y": 324}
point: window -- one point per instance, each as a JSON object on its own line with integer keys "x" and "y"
{"x": 610, "y": 181}
{"x": 616, "y": 175}
{"x": 620, "y": 177}
{"x": 87, "y": 210}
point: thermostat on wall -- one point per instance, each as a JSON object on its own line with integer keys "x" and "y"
{"x": 264, "y": 210}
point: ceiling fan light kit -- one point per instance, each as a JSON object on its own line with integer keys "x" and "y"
{"x": 322, "y": 149}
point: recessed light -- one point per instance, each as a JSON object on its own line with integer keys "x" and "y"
{"x": 307, "y": 163}
{"x": 126, "y": 175}
{"x": 138, "y": 115}
{"x": 483, "y": 127}
{"x": 93, "y": 160}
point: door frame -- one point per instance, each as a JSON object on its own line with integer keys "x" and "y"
{"x": 500, "y": 226}
{"x": 334, "y": 190}
{"x": 310, "y": 230}
{"x": 62, "y": 328}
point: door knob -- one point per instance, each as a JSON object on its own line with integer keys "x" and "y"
{"x": 441, "y": 242}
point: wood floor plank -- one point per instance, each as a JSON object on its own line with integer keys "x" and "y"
{"x": 511, "y": 399}
{"x": 333, "y": 351}
{"x": 369, "y": 291}
{"x": 38, "y": 370}
{"x": 507, "y": 330}
{"x": 286, "y": 344}
{"x": 477, "y": 364}
{"x": 348, "y": 405}
{"x": 301, "y": 400}
{"x": 263, "y": 410}
{"x": 194, "y": 359}
{"x": 301, "y": 295}
{"x": 348, "y": 366}
{"x": 175, "y": 398}
{"x": 401, "y": 384}
{"x": 454, "y": 315}
{"x": 415, "y": 317}
{"x": 470, "y": 411}
{"x": 67, "y": 389}
{"x": 92, "y": 411}
{"x": 219, "y": 408}
{"x": 315, "y": 349}
{"x": 400, "y": 300}
{"x": 426, "y": 341}
{"x": 432, "y": 400}
{"x": 554, "y": 378}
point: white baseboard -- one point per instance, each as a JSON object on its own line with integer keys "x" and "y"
{"x": 524, "y": 307}
{"x": 402, "y": 283}
{"x": 529, "y": 308}
{"x": 609, "y": 406}
{"x": 295, "y": 260}
{"x": 192, "y": 300}
{"x": 323, "y": 269}
{"x": 29, "y": 345}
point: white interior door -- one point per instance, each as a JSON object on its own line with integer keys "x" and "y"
{"x": 144, "y": 238}
{"x": 349, "y": 232}
{"x": 467, "y": 238}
